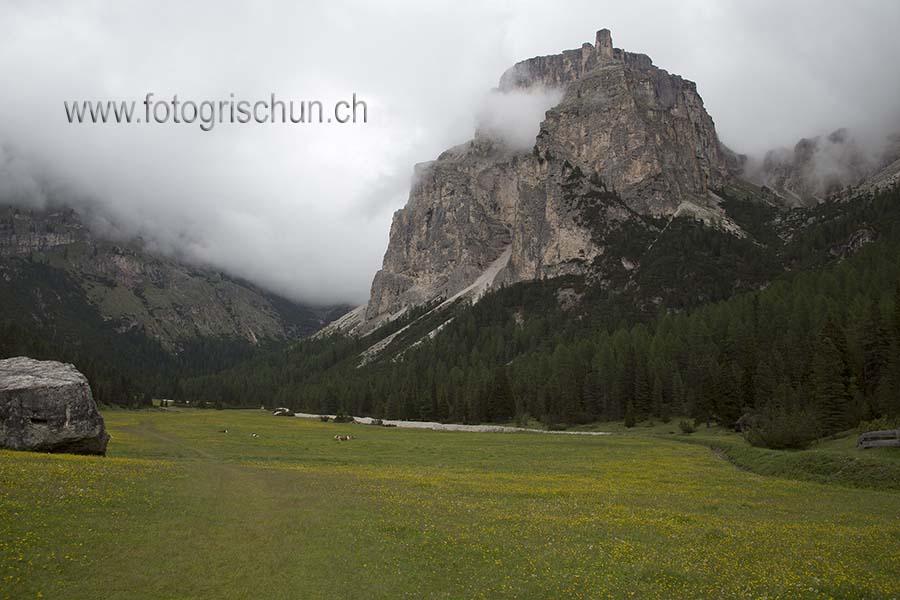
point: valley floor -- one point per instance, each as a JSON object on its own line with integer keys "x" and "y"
{"x": 180, "y": 509}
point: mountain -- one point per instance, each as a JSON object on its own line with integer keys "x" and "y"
{"x": 826, "y": 165}
{"x": 119, "y": 309}
{"x": 627, "y": 149}
{"x": 814, "y": 350}
{"x": 171, "y": 302}
{"x": 627, "y": 266}
{"x": 623, "y": 167}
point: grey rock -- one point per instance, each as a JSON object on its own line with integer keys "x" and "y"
{"x": 47, "y": 406}
{"x": 854, "y": 243}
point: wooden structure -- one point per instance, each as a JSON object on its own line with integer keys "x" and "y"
{"x": 878, "y": 439}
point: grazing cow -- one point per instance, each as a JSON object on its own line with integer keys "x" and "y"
{"x": 223, "y": 431}
{"x": 254, "y": 435}
{"x": 343, "y": 438}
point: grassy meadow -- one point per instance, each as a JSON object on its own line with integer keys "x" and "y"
{"x": 180, "y": 510}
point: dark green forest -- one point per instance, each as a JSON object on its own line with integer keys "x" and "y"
{"x": 128, "y": 369}
{"x": 125, "y": 369}
{"x": 812, "y": 350}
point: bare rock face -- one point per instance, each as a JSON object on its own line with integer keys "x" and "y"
{"x": 47, "y": 406}
{"x": 628, "y": 146}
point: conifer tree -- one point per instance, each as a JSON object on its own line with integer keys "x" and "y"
{"x": 501, "y": 404}
{"x": 765, "y": 384}
{"x": 875, "y": 345}
{"x": 897, "y": 313}
{"x": 828, "y": 389}
{"x": 643, "y": 391}
{"x": 679, "y": 396}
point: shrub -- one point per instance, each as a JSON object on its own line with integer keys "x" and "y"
{"x": 783, "y": 429}
{"x": 342, "y": 417}
{"x": 630, "y": 421}
{"x": 522, "y": 419}
{"x": 324, "y": 418}
{"x": 686, "y": 426}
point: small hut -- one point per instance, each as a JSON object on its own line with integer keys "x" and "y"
{"x": 879, "y": 439}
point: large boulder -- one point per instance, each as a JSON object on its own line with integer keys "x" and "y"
{"x": 47, "y": 406}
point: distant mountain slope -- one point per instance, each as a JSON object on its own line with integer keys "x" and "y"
{"x": 50, "y": 262}
{"x": 823, "y": 166}
{"x": 133, "y": 321}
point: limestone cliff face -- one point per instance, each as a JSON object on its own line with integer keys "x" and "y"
{"x": 628, "y": 146}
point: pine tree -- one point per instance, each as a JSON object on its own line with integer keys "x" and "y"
{"x": 630, "y": 417}
{"x": 590, "y": 396}
{"x": 765, "y": 384}
{"x": 728, "y": 397}
{"x": 660, "y": 409}
{"x": 501, "y": 405}
{"x": 679, "y": 395}
{"x": 625, "y": 384}
{"x": 875, "y": 349}
{"x": 897, "y": 313}
{"x": 889, "y": 389}
{"x": 828, "y": 389}
{"x": 643, "y": 392}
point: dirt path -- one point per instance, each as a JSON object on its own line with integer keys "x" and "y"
{"x": 434, "y": 426}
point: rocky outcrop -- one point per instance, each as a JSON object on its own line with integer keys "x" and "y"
{"x": 854, "y": 243}
{"x": 47, "y": 406}
{"x": 627, "y": 147}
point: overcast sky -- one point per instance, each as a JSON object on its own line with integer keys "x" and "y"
{"x": 306, "y": 209}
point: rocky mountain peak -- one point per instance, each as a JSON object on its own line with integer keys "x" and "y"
{"x": 604, "y": 45}
{"x": 559, "y": 69}
{"x": 627, "y": 143}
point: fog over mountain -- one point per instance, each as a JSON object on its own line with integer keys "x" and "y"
{"x": 305, "y": 209}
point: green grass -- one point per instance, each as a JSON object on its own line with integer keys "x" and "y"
{"x": 832, "y": 461}
{"x": 180, "y": 510}
{"x": 829, "y": 461}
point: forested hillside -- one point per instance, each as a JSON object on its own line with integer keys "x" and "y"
{"x": 124, "y": 369}
{"x": 811, "y": 353}
{"x": 132, "y": 320}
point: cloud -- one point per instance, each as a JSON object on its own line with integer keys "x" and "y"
{"x": 515, "y": 116}
{"x": 18, "y": 181}
{"x": 305, "y": 209}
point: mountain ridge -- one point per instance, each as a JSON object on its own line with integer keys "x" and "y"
{"x": 174, "y": 303}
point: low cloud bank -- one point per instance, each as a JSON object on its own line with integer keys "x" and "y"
{"x": 515, "y": 116}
